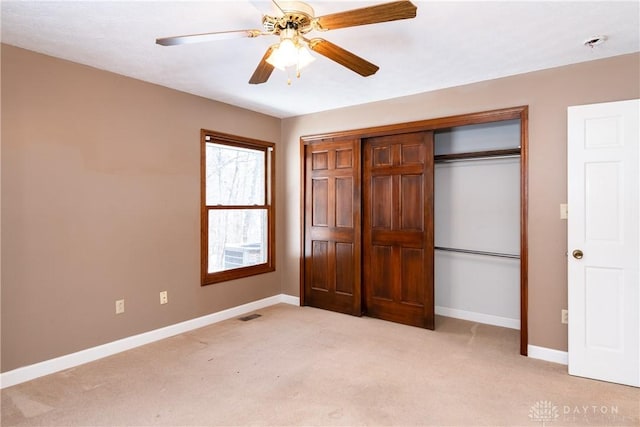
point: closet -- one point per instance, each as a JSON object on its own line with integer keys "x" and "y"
{"x": 477, "y": 223}
{"x": 404, "y": 221}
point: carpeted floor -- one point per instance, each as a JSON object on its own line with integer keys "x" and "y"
{"x": 303, "y": 366}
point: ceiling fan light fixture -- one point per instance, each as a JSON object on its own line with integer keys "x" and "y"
{"x": 289, "y": 53}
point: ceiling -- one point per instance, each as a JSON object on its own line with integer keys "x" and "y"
{"x": 448, "y": 44}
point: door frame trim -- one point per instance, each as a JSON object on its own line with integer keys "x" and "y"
{"x": 520, "y": 112}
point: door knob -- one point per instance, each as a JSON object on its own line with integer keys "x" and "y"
{"x": 577, "y": 254}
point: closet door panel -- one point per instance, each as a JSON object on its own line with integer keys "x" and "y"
{"x": 344, "y": 202}
{"x": 320, "y": 200}
{"x": 344, "y": 158}
{"x": 381, "y": 156}
{"x": 413, "y": 263}
{"x": 381, "y": 273}
{"x": 412, "y": 154}
{"x": 345, "y": 271}
{"x": 332, "y": 232}
{"x": 320, "y": 263}
{"x": 320, "y": 160}
{"x": 411, "y": 202}
{"x": 398, "y": 228}
{"x": 381, "y": 202}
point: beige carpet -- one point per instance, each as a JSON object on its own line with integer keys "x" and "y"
{"x": 303, "y": 366}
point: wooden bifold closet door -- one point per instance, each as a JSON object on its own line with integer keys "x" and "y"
{"x": 368, "y": 232}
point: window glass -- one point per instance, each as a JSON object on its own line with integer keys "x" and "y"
{"x": 235, "y": 176}
{"x": 237, "y": 238}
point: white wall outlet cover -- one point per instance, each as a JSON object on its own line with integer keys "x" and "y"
{"x": 564, "y": 211}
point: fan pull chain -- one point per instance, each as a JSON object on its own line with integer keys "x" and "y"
{"x": 298, "y": 68}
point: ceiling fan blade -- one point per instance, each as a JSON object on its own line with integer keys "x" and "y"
{"x": 263, "y": 70}
{"x": 343, "y": 57}
{"x": 206, "y": 37}
{"x": 368, "y": 15}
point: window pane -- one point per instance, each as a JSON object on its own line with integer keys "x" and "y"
{"x": 234, "y": 176}
{"x": 237, "y": 238}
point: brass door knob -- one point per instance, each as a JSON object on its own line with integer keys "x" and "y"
{"x": 577, "y": 254}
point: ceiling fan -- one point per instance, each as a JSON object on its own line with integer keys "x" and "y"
{"x": 293, "y": 20}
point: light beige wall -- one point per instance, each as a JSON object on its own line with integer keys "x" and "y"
{"x": 100, "y": 201}
{"x": 548, "y": 93}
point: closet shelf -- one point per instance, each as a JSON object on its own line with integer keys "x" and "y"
{"x": 509, "y": 152}
{"x": 468, "y": 251}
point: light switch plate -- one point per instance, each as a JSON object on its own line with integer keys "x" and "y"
{"x": 564, "y": 213}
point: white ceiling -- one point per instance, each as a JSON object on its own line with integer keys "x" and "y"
{"x": 450, "y": 43}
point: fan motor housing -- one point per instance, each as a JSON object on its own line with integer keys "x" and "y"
{"x": 298, "y": 15}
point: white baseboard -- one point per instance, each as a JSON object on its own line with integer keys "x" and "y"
{"x": 289, "y": 299}
{"x": 61, "y": 363}
{"x": 548, "y": 354}
{"x": 534, "y": 352}
{"x": 472, "y": 316}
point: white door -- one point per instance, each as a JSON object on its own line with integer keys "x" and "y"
{"x": 603, "y": 241}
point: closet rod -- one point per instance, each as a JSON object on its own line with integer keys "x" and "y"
{"x": 507, "y": 156}
{"x": 467, "y": 251}
{"x": 509, "y": 152}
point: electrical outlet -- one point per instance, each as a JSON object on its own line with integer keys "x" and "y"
{"x": 120, "y": 306}
{"x": 565, "y": 317}
{"x": 164, "y": 298}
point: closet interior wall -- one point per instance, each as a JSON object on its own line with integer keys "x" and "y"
{"x": 477, "y": 223}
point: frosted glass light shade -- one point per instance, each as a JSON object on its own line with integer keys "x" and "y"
{"x": 304, "y": 57}
{"x": 287, "y": 54}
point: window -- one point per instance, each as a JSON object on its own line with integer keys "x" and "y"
{"x": 237, "y": 207}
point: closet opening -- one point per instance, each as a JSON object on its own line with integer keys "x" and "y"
{"x": 439, "y": 205}
{"x": 477, "y": 223}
